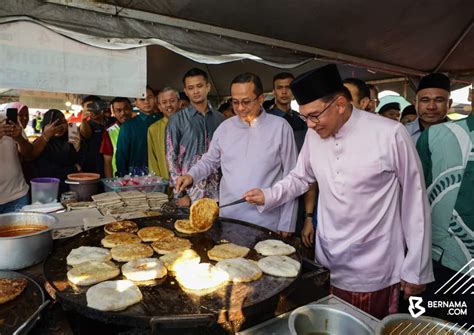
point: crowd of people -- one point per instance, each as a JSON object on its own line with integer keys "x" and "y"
{"x": 378, "y": 196}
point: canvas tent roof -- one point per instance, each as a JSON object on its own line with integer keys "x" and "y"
{"x": 368, "y": 39}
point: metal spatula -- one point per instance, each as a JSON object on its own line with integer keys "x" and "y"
{"x": 233, "y": 203}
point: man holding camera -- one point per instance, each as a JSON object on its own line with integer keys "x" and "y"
{"x": 93, "y": 124}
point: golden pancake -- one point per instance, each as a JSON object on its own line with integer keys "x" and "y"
{"x": 150, "y": 234}
{"x": 201, "y": 278}
{"x": 113, "y": 240}
{"x": 203, "y": 213}
{"x": 121, "y": 227}
{"x": 183, "y": 226}
{"x": 226, "y": 251}
{"x": 94, "y": 272}
{"x": 10, "y": 288}
{"x": 129, "y": 252}
{"x": 171, "y": 244}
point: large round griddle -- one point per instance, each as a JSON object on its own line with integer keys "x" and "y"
{"x": 166, "y": 304}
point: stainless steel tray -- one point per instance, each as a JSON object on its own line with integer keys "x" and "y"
{"x": 279, "y": 325}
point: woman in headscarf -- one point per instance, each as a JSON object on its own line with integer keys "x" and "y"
{"x": 55, "y": 156}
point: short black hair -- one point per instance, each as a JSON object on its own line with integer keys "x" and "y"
{"x": 249, "y": 77}
{"x": 148, "y": 87}
{"x": 121, "y": 99}
{"x": 224, "y": 106}
{"x": 90, "y": 98}
{"x": 362, "y": 88}
{"x": 343, "y": 91}
{"x": 281, "y": 76}
{"x": 194, "y": 72}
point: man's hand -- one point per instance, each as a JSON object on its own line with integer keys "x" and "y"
{"x": 307, "y": 234}
{"x": 183, "y": 182}
{"x": 410, "y": 289}
{"x": 255, "y": 197}
{"x": 184, "y": 201}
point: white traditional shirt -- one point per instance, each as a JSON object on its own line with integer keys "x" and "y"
{"x": 255, "y": 155}
{"x": 374, "y": 224}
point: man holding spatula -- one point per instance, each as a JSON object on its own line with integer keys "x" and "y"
{"x": 252, "y": 148}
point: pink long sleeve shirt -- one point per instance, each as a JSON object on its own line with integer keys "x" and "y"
{"x": 374, "y": 224}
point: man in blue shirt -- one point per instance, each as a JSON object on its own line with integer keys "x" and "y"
{"x": 132, "y": 144}
{"x": 188, "y": 135}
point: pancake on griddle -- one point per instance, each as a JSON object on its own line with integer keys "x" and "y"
{"x": 94, "y": 272}
{"x": 113, "y": 240}
{"x": 201, "y": 278}
{"x": 174, "y": 260}
{"x": 203, "y": 213}
{"x": 155, "y": 233}
{"x": 144, "y": 269}
{"x": 114, "y": 295}
{"x": 171, "y": 244}
{"x": 125, "y": 226}
{"x": 279, "y": 266}
{"x": 226, "y": 251}
{"x": 10, "y": 288}
{"x": 274, "y": 248}
{"x": 183, "y": 226}
{"x": 86, "y": 254}
{"x": 129, "y": 252}
{"x": 240, "y": 270}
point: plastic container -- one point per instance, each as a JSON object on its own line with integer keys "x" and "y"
{"x": 44, "y": 190}
{"x": 84, "y": 184}
{"x": 111, "y": 186}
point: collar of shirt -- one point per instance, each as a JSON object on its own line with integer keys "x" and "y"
{"x": 193, "y": 111}
{"x": 148, "y": 117}
{"x": 347, "y": 127}
{"x": 254, "y": 123}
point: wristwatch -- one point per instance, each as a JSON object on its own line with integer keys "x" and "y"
{"x": 309, "y": 215}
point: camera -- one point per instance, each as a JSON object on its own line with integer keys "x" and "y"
{"x": 11, "y": 114}
{"x": 97, "y": 107}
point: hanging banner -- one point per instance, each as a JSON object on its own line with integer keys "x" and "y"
{"x": 36, "y": 58}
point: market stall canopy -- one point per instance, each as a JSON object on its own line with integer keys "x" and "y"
{"x": 367, "y": 39}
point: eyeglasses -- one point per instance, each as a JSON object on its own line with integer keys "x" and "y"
{"x": 244, "y": 103}
{"x": 315, "y": 117}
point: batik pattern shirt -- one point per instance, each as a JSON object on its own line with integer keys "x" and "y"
{"x": 188, "y": 136}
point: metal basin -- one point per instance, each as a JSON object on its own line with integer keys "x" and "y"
{"x": 404, "y": 323}
{"x": 31, "y": 246}
{"x": 322, "y": 319}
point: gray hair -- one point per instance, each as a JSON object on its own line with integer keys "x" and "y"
{"x": 168, "y": 89}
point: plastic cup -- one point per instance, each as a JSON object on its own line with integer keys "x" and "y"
{"x": 44, "y": 190}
